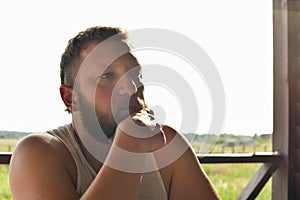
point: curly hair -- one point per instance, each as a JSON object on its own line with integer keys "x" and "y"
{"x": 70, "y": 59}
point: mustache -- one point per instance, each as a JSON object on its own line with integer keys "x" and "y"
{"x": 137, "y": 105}
{"x": 132, "y": 104}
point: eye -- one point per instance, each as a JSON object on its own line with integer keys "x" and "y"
{"x": 107, "y": 75}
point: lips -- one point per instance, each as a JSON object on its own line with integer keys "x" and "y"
{"x": 124, "y": 111}
{"x": 129, "y": 107}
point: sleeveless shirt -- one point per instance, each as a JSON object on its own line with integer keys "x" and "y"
{"x": 151, "y": 186}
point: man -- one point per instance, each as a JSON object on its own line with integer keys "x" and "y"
{"x": 113, "y": 149}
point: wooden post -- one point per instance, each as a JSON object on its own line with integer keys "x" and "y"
{"x": 286, "y": 16}
{"x": 281, "y": 136}
{"x": 294, "y": 78}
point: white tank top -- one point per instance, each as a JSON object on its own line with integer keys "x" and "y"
{"x": 151, "y": 186}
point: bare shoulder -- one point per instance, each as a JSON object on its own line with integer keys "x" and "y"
{"x": 38, "y": 150}
{"x": 37, "y": 146}
{"x": 41, "y": 149}
{"x": 178, "y": 140}
{"x": 188, "y": 179}
{"x": 37, "y": 139}
{"x": 170, "y": 133}
{"x": 39, "y": 166}
{"x": 179, "y": 145}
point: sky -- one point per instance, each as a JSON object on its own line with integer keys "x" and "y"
{"x": 235, "y": 34}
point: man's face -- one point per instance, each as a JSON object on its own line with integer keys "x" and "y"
{"x": 111, "y": 91}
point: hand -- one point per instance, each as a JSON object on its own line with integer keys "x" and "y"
{"x": 139, "y": 133}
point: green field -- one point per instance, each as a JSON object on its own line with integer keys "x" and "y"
{"x": 4, "y": 189}
{"x": 5, "y": 145}
{"x": 228, "y": 179}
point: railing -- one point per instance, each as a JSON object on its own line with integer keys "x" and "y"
{"x": 5, "y": 158}
{"x": 270, "y": 162}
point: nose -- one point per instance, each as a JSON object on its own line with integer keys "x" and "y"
{"x": 126, "y": 85}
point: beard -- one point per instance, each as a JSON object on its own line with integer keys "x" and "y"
{"x": 99, "y": 125}
{"x": 102, "y": 126}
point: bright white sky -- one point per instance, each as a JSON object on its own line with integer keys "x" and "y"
{"x": 237, "y": 36}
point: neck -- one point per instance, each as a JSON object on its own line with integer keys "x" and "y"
{"x": 96, "y": 164}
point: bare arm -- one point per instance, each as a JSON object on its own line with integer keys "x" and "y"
{"x": 39, "y": 170}
{"x": 189, "y": 181}
{"x": 118, "y": 184}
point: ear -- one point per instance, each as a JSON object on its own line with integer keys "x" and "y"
{"x": 66, "y": 94}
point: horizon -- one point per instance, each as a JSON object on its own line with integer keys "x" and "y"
{"x": 212, "y": 134}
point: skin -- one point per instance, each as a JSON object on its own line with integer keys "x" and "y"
{"x": 42, "y": 167}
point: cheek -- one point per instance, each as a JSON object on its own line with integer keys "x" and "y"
{"x": 103, "y": 99}
{"x": 88, "y": 90}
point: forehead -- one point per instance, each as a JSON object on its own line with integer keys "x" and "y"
{"x": 103, "y": 52}
{"x": 97, "y": 57}
{"x": 127, "y": 60}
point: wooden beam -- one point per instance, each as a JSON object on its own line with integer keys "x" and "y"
{"x": 5, "y": 158}
{"x": 258, "y": 181}
{"x": 257, "y": 157}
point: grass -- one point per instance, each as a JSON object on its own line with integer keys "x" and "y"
{"x": 228, "y": 179}
{"x": 4, "y": 189}
{"x": 7, "y": 144}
